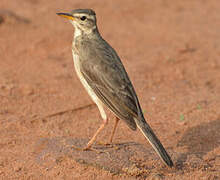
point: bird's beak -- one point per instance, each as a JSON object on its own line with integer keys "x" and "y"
{"x": 66, "y": 15}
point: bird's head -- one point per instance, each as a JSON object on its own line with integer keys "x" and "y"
{"x": 83, "y": 20}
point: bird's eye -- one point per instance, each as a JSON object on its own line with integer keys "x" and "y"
{"x": 83, "y": 18}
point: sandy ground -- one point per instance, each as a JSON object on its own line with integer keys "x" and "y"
{"x": 171, "y": 51}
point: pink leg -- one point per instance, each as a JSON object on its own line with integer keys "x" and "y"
{"x": 114, "y": 128}
{"x": 92, "y": 140}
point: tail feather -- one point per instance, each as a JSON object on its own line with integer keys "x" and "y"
{"x": 149, "y": 134}
{"x": 153, "y": 140}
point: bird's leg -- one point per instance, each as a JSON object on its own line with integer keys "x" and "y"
{"x": 112, "y": 133}
{"x": 114, "y": 128}
{"x": 105, "y": 122}
{"x": 92, "y": 140}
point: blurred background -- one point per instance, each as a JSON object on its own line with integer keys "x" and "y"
{"x": 171, "y": 52}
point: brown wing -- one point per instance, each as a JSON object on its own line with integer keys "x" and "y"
{"x": 106, "y": 75}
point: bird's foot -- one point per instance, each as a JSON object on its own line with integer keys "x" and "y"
{"x": 77, "y": 148}
{"x": 109, "y": 145}
{"x": 87, "y": 148}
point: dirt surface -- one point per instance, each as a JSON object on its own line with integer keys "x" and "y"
{"x": 171, "y": 51}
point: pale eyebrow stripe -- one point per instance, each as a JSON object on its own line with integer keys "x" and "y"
{"x": 80, "y": 15}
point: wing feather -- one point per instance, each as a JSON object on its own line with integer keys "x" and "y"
{"x": 105, "y": 74}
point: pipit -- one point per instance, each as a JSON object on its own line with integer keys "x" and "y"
{"x": 103, "y": 75}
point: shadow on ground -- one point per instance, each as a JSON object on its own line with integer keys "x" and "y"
{"x": 199, "y": 140}
{"x": 128, "y": 157}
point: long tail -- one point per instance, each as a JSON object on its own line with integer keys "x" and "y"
{"x": 154, "y": 141}
{"x": 149, "y": 134}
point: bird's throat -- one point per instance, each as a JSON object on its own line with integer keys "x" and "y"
{"x": 77, "y": 32}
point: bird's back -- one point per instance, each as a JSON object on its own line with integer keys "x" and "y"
{"x": 105, "y": 73}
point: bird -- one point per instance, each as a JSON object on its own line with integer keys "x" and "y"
{"x": 104, "y": 77}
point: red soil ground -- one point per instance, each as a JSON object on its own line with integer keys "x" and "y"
{"x": 171, "y": 51}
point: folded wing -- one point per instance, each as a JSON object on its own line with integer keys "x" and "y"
{"x": 106, "y": 75}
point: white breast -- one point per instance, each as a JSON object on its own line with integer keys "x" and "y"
{"x": 76, "y": 61}
{"x": 82, "y": 79}
{"x": 87, "y": 87}
{"x": 78, "y": 72}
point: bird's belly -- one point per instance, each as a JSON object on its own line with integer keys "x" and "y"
{"x": 82, "y": 79}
